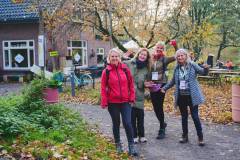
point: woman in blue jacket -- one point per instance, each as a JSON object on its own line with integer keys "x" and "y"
{"x": 188, "y": 92}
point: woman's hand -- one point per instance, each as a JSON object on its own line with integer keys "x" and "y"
{"x": 162, "y": 90}
{"x": 205, "y": 65}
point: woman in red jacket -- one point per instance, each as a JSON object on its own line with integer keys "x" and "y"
{"x": 117, "y": 94}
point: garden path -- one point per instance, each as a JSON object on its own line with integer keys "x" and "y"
{"x": 222, "y": 141}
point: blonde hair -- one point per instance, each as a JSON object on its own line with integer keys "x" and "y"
{"x": 116, "y": 51}
{"x": 160, "y": 43}
{"x": 149, "y": 59}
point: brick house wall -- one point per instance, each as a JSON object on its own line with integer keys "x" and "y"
{"x": 92, "y": 46}
{"x": 18, "y": 31}
{"x": 30, "y": 31}
{"x": 17, "y": 23}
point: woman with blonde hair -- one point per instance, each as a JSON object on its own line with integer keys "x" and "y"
{"x": 139, "y": 66}
{"x": 187, "y": 92}
{"x": 117, "y": 94}
{"x": 156, "y": 80}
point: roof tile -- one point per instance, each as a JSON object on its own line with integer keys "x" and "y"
{"x": 12, "y": 12}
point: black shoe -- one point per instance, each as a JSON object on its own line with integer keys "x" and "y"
{"x": 201, "y": 142}
{"x": 119, "y": 147}
{"x": 184, "y": 139}
{"x": 161, "y": 132}
{"x": 132, "y": 151}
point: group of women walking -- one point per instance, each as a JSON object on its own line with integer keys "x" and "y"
{"x": 123, "y": 86}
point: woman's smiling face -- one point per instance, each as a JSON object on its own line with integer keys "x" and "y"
{"x": 181, "y": 58}
{"x": 114, "y": 58}
{"x": 142, "y": 56}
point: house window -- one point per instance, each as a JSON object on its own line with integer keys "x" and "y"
{"x": 18, "y": 54}
{"x": 100, "y": 56}
{"x": 78, "y": 50}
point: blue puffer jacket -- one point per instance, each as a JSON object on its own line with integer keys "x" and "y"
{"x": 195, "y": 90}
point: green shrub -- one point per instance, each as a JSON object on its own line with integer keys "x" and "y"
{"x": 57, "y": 135}
{"x": 41, "y": 127}
{"x": 9, "y": 103}
{"x": 12, "y": 123}
{"x": 32, "y": 96}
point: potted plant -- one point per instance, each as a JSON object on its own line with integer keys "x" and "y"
{"x": 50, "y": 92}
{"x": 236, "y": 99}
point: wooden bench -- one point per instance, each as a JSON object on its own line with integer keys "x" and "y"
{"x": 210, "y": 79}
{"x": 8, "y": 78}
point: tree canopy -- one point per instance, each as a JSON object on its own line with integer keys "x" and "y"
{"x": 196, "y": 24}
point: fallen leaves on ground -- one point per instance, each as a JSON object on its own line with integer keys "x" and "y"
{"x": 86, "y": 96}
{"x": 217, "y": 107}
{"x": 65, "y": 151}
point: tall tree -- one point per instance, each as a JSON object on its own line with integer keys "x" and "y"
{"x": 197, "y": 28}
{"x": 139, "y": 20}
{"x": 228, "y": 21}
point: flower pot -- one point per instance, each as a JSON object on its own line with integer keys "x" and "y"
{"x": 50, "y": 95}
{"x": 236, "y": 102}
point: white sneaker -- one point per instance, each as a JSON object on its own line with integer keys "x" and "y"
{"x": 135, "y": 140}
{"x": 143, "y": 139}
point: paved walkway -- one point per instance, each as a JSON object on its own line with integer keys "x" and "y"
{"x": 10, "y": 88}
{"x": 222, "y": 141}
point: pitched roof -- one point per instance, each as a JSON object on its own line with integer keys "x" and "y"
{"x": 17, "y": 12}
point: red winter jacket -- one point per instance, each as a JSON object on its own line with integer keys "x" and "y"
{"x": 118, "y": 88}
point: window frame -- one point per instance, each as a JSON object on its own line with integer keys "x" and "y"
{"x": 83, "y": 47}
{"x": 9, "y": 48}
{"x": 100, "y": 53}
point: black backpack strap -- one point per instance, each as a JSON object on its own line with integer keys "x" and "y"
{"x": 125, "y": 71}
{"x": 107, "y": 76}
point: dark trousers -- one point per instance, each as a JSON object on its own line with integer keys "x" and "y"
{"x": 157, "y": 99}
{"x": 138, "y": 122}
{"x": 183, "y": 102}
{"x": 123, "y": 109}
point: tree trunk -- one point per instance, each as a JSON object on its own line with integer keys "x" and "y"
{"x": 223, "y": 43}
{"x": 221, "y": 47}
{"x": 197, "y": 49}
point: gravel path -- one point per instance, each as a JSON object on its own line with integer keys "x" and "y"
{"x": 222, "y": 141}
{"x": 10, "y": 88}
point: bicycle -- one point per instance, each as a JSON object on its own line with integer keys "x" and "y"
{"x": 81, "y": 79}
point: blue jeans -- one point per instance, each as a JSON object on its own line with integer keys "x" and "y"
{"x": 183, "y": 102}
{"x": 123, "y": 109}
